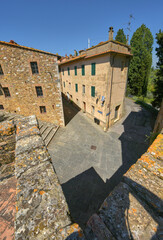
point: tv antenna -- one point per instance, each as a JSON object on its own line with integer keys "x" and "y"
{"x": 131, "y": 17}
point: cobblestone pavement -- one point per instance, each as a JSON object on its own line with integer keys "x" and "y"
{"x": 88, "y": 175}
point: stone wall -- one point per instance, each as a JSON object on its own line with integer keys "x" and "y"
{"x": 41, "y": 208}
{"x": 32, "y": 204}
{"x": 7, "y": 179}
{"x": 17, "y": 76}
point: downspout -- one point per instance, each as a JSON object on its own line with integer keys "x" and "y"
{"x": 111, "y": 90}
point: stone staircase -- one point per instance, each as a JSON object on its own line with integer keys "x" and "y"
{"x": 47, "y": 131}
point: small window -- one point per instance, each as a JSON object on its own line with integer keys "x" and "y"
{"x": 1, "y": 107}
{"x": 42, "y": 109}
{"x": 76, "y": 87}
{"x": 75, "y": 69}
{"x": 93, "y": 110}
{"x": 92, "y": 91}
{"x": 69, "y": 85}
{"x": 6, "y": 92}
{"x": 34, "y": 67}
{"x": 39, "y": 91}
{"x": 68, "y": 69}
{"x": 83, "y": 70}
{"x": 63, "y": 71}
{"x": 1, "y": 71}
{"x": 93, "y": 68}
{"x": 83, "y": 88}
{"x": 64, "y": 84}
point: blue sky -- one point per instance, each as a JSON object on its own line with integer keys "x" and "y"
{"x": 62, "y": 26}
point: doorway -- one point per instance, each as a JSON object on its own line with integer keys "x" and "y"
{"x": 84, "y": 106}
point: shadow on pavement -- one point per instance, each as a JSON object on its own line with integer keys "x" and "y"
{"x": 87, "y": 191}
{"x": 70, "y": 109}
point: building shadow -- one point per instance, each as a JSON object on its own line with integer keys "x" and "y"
{"x": 86, "y": 192}
{"x": 137, "y": 191}
{"x": 70, "y": 109}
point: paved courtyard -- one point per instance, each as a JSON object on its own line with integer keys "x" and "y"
{"x": 88, "y": 174}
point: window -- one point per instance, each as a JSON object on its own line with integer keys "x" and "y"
{"x": 42, "y": 109}
{"x": 1, "y": 71}
{"x": 1, "y": 107}
{"x": 69, "y": 85}
{"x": 76, "y": 87}
{"x": 116, "y": 111}
{"x": 92, "y": 91}
{"x": 93, "y": 110}
{"x": 64, "y": 84}
{"x": 34, "y": 67}
{"x": 39, "y": 91}
{"x": 83, "y": 88}
{"x": 83, "y": 70}
{"x": 63, "y": 71}
{"x": 6, "y": 92}
{"x": 68, "y": 69}
{"x": 75, "y": 68}
{"x": 93, "y": 68}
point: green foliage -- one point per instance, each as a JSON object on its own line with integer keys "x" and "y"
{"x": 121, "y": 37}
{"x": 158, "y": 91}
{"x": 151, "y": 83}
{"x": 139, "y": 70}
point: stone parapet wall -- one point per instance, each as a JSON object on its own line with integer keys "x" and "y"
{"x": 7, "y": 179}
{"x": 41, "y": 208}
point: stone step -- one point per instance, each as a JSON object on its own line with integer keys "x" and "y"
{"x": 50, "y": 136}
{"x": 97, "y": 230}
{"x": 46, "y": 132}
{"x": 43, "y": 129}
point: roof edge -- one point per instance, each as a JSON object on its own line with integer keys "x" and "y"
{"x": 28, "y": 48}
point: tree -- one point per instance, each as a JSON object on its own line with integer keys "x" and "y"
{"x": 121, "y": 37}
{"x": 151, "y": 83}
{"x": 158, "y": 89}
{"x": 139, "y": 70}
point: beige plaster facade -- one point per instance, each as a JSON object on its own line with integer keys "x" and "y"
{"x": 20, "y": 83}
{"x": 111, "y": 60}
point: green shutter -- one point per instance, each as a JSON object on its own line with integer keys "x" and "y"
{"x": 68, "y": 70}
{"x": 93, "y": 68}
{"x": 93, "y": 91}
{"x": 75, "y": 70}
{"x": 63, "y": 71}
{"x": 76, "y": 87}
{"x": 83, "y": 70}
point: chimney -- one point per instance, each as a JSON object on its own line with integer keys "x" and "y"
{"x": 75, "y": 53}
{"x": 111, "y": 33}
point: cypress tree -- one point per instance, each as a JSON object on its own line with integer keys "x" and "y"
{"x": 158, "y": 92}
{"x": 121, "y": 37}
{"x": 139, "y": 70}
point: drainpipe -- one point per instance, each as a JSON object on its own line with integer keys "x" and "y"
{"x": 111, "y": 91}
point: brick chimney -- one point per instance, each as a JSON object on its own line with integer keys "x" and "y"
{"x": 111, "y": 33}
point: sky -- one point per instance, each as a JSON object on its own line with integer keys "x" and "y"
{"x": 62, "y": 26}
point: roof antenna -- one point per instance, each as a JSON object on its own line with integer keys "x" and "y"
{"x": 89, "y": 42}
{"x": 129, "y": 25}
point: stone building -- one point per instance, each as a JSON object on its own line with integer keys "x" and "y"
{"x": 29, "y": 82}
{"x": 96, "y": 79}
